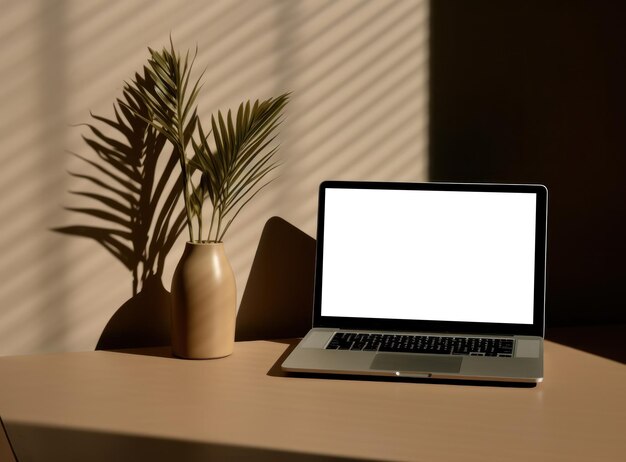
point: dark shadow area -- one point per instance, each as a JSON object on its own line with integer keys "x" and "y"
{"x": 534, "y": 92}
{"x": 133, "y": 196}
{"x": 144, "y": 320}
{"x": 375, "y": 378}
{"x": 6, "y": 450}
{"x": 275, "y": 370}
{"x": 39, "y": 443}
{"x": 277, "y": 302}
{"x": 606, "y": 341}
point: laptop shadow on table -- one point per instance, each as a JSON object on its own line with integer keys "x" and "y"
{"x": 277, "y": 302}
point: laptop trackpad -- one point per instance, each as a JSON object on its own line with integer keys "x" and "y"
{"x": 416, "y": 363}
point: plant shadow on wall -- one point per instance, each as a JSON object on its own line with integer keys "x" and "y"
{"x": 138, "y": 209}
{"x": 137, "y": 197}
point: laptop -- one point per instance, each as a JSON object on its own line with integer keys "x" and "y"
{"x": 429, "y": 281}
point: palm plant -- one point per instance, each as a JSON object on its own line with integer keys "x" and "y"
{"x": 231, "y": 173}
{"x": 171, "y": 110}
{"x": 236, "y": 170}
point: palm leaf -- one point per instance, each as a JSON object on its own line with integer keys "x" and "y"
{"x": 243, "y": 158}
{"x": 172, "y": 112}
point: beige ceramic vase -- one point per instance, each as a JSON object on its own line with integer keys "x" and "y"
{"x": 204, "y": 299}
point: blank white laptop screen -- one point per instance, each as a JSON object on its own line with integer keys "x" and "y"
{"x": 429, "y": 255}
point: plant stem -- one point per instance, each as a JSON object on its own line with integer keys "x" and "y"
{"x": 211, "y": 224}
{"x": 200, "y": 226}
{"x": 219, "y": 225}
{"x": 185, "y": 180}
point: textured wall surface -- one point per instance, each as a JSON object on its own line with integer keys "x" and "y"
{"x": 358, "y": 73}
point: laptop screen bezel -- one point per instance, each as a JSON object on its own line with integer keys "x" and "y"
{"x": 537, "y": 328}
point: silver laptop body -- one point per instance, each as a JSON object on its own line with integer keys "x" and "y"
{"x": 428, "y": 280}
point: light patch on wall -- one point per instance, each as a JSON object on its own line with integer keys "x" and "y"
{"x": 357, "y": 70}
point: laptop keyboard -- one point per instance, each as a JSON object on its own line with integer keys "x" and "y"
{"x": 425, "y": 344}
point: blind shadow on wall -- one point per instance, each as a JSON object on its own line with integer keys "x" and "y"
{"x": 357, "y": 71}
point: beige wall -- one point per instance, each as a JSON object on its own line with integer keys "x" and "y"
{"x": 357, "y": 70}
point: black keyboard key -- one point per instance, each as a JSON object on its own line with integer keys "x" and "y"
{"x": 424, "y": 344}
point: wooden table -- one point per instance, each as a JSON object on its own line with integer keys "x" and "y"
{"x": 145, "y": 405}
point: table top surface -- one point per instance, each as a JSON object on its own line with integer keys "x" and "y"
{"x": 145, "y": 402}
